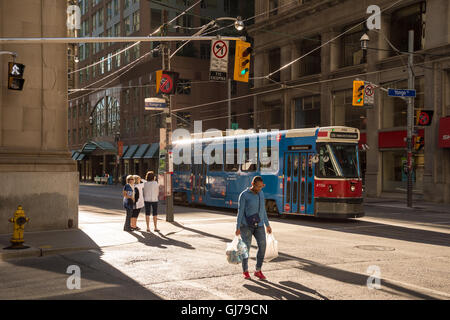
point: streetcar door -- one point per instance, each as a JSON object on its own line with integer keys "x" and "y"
{"x": 291, "y": 182}
{"x": 307, "y": 184}
{"x": 198, "y": 182}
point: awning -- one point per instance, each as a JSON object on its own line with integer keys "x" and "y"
{"x": 75, "y": 155}
{"x": 125, "y": 148}
{"x": 130, "y": 151}
{"x": 152, "y": 152}
{"x": 140, "y": 152}
{"x": 91, "y": 146}
{"x": 80, "y": 157}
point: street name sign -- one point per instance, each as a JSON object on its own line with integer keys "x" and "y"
{"x": 401, "y": 93}
{"x": 155, "y": 104}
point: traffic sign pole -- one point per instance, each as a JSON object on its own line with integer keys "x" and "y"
{"x": 410, "y": 117}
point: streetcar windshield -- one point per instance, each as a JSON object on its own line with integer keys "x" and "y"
{"x": 337, "y": 160}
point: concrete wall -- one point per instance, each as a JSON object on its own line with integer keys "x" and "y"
{"x": 36, "y": 170}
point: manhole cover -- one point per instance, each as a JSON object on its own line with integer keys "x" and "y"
{"x": 375, "y": 248}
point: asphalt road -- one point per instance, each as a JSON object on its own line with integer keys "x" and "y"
{"x": 407, "y": 249}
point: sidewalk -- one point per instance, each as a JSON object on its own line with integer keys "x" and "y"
{"x": 401, "y": 204}
{"x": 90, "y": 236}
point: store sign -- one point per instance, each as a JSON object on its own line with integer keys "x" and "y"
{"x": 395, "y": 139}
{"x": 444, "y": 132}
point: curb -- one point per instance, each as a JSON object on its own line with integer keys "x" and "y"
{"x": 38, "y": 252}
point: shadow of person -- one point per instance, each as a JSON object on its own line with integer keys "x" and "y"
{"x": 300, "y": 287}
{"x": 277, "y": 292}
{"x": 159, "y": 241}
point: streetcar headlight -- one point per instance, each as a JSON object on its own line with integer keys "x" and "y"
{"x": 352, "y": 188}
{"x": 330, "y": 189}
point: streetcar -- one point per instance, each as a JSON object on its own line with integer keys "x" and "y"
{"x": 310, "y": 172}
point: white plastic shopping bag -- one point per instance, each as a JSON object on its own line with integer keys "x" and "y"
{"x": 236, "y": 251}
{"x": 271, "y": 247}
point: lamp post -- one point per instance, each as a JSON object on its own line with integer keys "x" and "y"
{"x": 116, "y": 140}
{"x": 364, "y": 44}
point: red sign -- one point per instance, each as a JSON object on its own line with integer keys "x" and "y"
{"x": 394, "y": 139}
{"x": 120, "y": 148}
{"x": 220, "y": 49}
{"x": 444, "y": 132}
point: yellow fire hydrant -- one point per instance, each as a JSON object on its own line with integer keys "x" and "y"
{"x": 19, "y": 221}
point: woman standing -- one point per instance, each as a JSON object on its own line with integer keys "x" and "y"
{"x": 139, "y": 201}
{"x": 128, "y": 201}
{"x": 151, "y": 192}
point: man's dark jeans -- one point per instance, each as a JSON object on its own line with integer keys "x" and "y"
{"x": 260, "y": 236}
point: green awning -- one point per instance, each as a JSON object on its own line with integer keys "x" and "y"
{"x": 80, "y": 157}
{"x": 75, "y": 155}
{"x": 140, "y": 152}
{"x": 130, "y": 151}
{"x": 125, "y": 148}
{"x": 152, "y": 152}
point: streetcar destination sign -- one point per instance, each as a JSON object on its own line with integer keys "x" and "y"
{"x": 344, "y": 135}
{"x": 401, "y": 93}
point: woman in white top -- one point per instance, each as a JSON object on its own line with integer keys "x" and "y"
{"x": 151, "y": 192}
{"x": 139, "y": 199}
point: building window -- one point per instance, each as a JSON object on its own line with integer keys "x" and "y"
{"x": 271, "y": 117}
{"x": 394, "y": 171}
{"x": 273, "y": 7}
{"x": 395, "y": 109}
{"x": 116, "y": 7}
{"x": 136, "y": 51}
{"x": 109, "y": 62}
{"x": 345, "y": 114}
{"x": 352, "y": 53}
{"x": 128, "y": 29}
{"x": 113, "y": 113}
{"x": 126, "y": 4}
{"x": 118, "y": 59}
{"x": 136, "y": 21}
{"x": 155, "y": 18}
{"x": 275, "y": 63}
{"x": 117, "y": 30}
{"x": 307, "y": 112}
{"x": 102, "y": 65}
{"x": 205, "y": 51}
{"x": 109, "y": 11}
{"x": 405, "y": 19}
{"x": 311, "y": 63}
{"x": 127, "y": 96}
{"x": 126, "y": 54}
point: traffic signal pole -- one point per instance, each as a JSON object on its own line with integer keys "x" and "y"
{"x": 410, "y": 118}
{"x": 168, "y": 125}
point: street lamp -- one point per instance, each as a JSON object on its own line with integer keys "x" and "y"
{"x": 239, "y": 24}
{"x": 364, "y": 45}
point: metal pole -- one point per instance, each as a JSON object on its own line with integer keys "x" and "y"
{"x": 229, "y": 103}
{"x": 410, "y": 117}
{"x": 168, "y": 124}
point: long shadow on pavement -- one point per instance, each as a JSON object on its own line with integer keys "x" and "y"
{"x": 160, "y": 241}
{"x": 286, "y": 289}
{"x": 326, "y": 271}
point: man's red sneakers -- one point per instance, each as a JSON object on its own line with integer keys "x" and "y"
{"x": 246, "y": 275}
{"x": 260, "y": 275}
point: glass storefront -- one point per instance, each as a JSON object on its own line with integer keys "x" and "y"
{"x": 394, "y": 171}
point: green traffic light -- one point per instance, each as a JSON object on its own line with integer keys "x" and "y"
{"x": 244, "y": 71}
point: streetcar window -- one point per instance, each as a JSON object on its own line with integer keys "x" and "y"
{"x": 325, "y": 167}
{"x": 310, "y": 166}
{"x": 303, "y": 166}
{"x": 233, "y": 167}
{"x": 214, "y": 166}
{"x": 249, "y": 162}
{"x": 295, "y": 192}
{"x": 309, "y": 192}
{"x": 346, "y": 157}
{"x": 296, "y": 165}
{"x": 302, "y": 193}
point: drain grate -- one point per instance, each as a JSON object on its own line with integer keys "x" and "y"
{"x": 375, "y": 248}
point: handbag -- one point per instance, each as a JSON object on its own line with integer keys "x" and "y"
{"x": 254, "y": 219}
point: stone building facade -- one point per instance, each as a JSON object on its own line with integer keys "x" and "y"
{"x": 316, "y": 90}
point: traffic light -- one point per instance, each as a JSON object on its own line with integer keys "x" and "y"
{"x": 15, "y": 76}
{"x": 418, "y": 143}
{"x": 358, "y": 93}
{"x": 424, "y": 117}
{"x": 242, "y": 61}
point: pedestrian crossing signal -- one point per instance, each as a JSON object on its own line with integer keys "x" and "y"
{"x": 15, "y": 76}
{"x": 358, "y": 93}
{"x": 242, "y": 61}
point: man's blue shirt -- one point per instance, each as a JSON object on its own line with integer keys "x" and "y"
{"x": 248, "y": 205}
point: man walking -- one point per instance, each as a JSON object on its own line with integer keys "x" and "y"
{"x": 252, "y": 217}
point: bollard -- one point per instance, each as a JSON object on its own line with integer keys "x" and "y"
{"x": 19, "y": 221}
